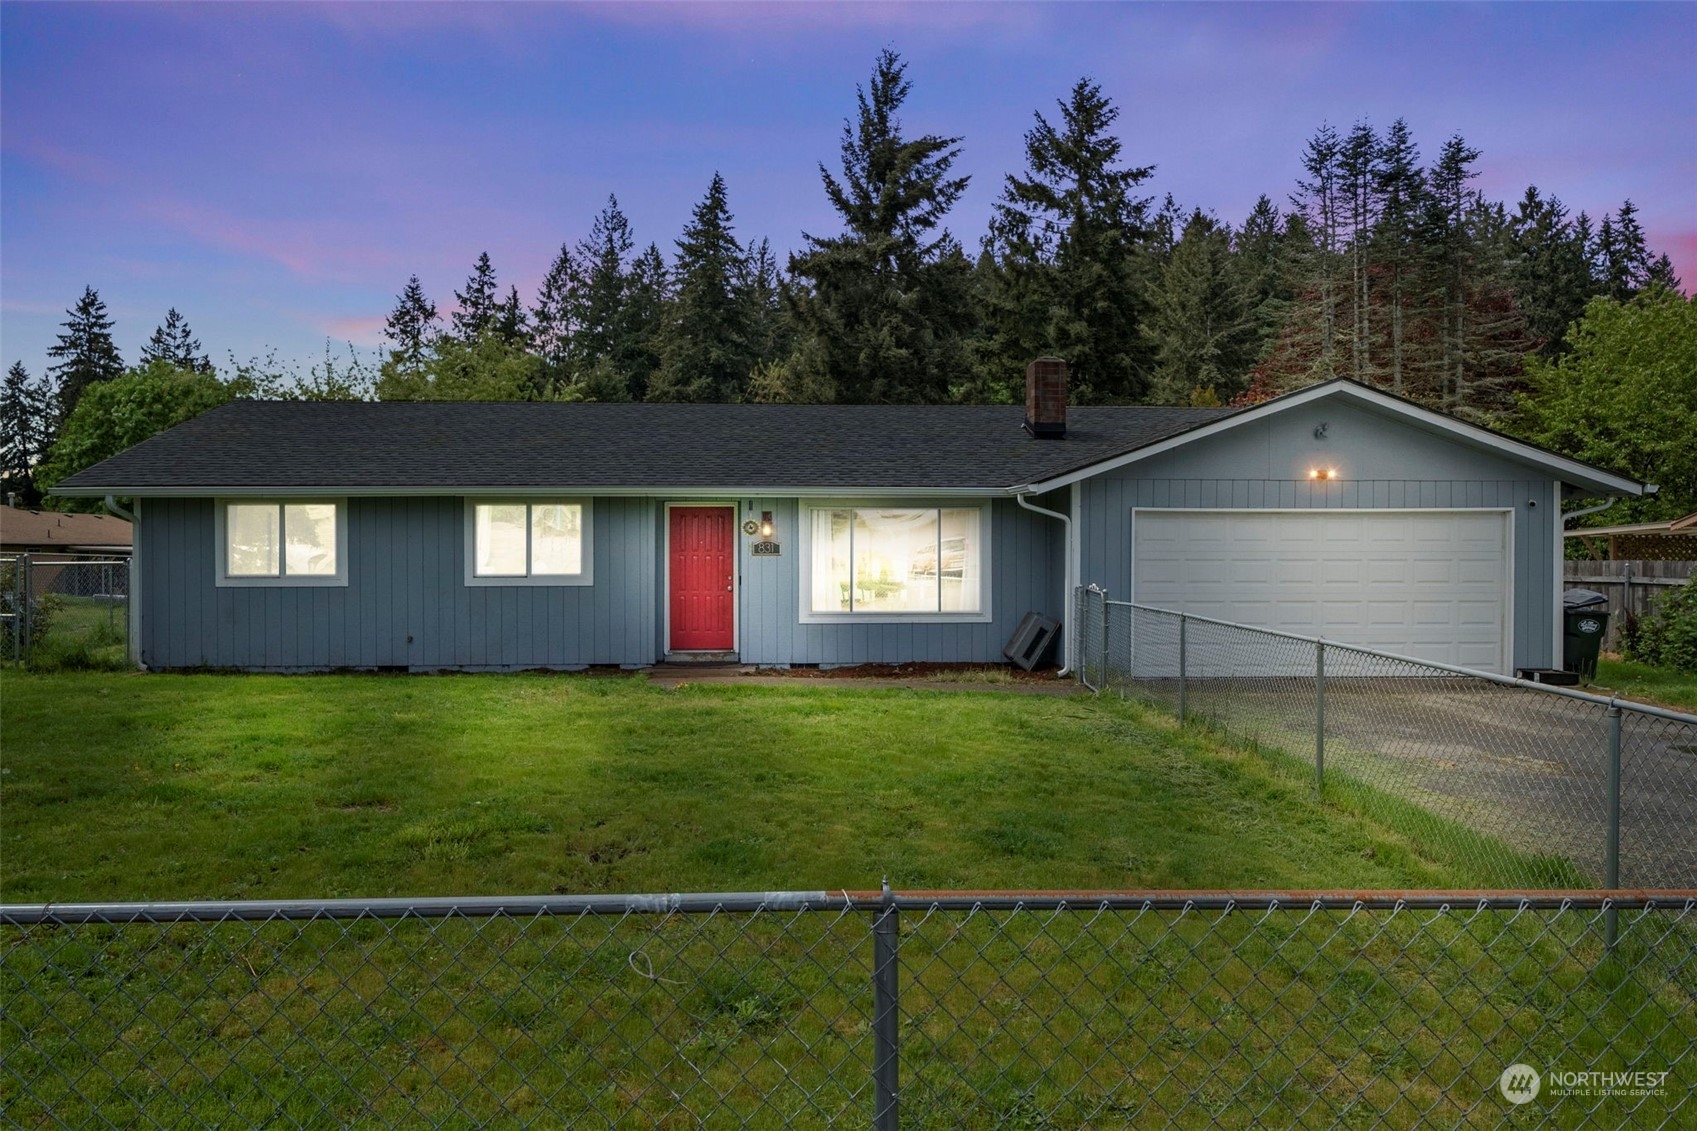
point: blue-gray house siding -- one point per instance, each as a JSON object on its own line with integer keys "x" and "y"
{"x": 1382, "y": 463}
{"x": 406, "y": 604}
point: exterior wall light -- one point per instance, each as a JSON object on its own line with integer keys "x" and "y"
{"x": 1322, "y": 473}
{"x": 765, "y": 524}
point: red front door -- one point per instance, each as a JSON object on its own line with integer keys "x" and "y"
{"x": 703, "y": 579}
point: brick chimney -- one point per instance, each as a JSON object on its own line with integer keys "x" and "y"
{"x": 1046, "y": 398}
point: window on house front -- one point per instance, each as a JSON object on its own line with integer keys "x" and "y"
{"x": 897, "y": 561}
{"x": 282, "y": 543}
{"x": 538, "y": 541}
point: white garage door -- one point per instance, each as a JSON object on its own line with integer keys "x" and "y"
{"x": 1430, "y": 583}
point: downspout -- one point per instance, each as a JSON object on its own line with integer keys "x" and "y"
{"x": 1070, "y": 583}
{"x": 1568, "y": 516}
{"x": 134, "y": 580}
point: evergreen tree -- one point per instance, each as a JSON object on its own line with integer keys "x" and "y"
{"x": 1623, "y": 259}
{"x": 1201, "y": 326}
{"x": 511, "y": 322}
{"x": 637, "y": 328}
{"x": 1447, "y": 241}
{"x": 599, "y": 296}
{"x": 411, "y": 325}
{"x": 1401, "y": 191}
{"x": 1320, "y": 201}
{"x": 552, "y": 320}
{"x": 85, "y": 351}
{"x": 26, "y": 432}
{"x": 1264, "y": 269}
{"x": 174, "y": 344}
{"x": 761, "y": 292}
{"x": 479, "y": 307}
{"x": 1359, "y": 169}
{"x": 883, "y": 310}
{"x": 1548, "y": 270}
{"x": 1067, "y": 238}
{"x": 706, "y": 354}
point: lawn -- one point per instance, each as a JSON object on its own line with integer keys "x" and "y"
{"x": 125, "y": 786}
{"x": 1647, "y": 684}
{"x": 122, "y": 786}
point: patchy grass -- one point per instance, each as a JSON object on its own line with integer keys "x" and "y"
{"x": 125, "y": 786}
{"x": 1647, "y": 684}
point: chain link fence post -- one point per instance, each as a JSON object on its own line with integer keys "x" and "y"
{"x": 1183, "y": 711}
{"x": 886, "y": 1014}
{"x": 1611, "y": 851}
{"x": 1319, "y": 715}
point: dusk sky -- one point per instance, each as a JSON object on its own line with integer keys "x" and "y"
{"x": 276, "y": 172}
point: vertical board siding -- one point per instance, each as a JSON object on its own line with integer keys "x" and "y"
{"x": 1025, "y": 576}
{"x": 406, "y": 603}
{"x": 1383, "y": 464}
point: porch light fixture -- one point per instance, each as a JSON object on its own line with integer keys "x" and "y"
{"x": 1322, "y": 473}
{"x": 765, "y": 524}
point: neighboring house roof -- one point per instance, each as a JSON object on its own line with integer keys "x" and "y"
{"x": 22, "y": 530}
{"x": 273, "y": 447}
{"x": 1686, "y": 526}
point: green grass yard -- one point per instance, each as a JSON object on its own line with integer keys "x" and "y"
{"x": 122, "y": 786}
{"x": 1647, "y": 684}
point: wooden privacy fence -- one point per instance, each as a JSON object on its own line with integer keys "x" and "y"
{"x": 1633, "y": 587}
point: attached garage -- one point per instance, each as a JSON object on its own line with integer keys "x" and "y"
{"x": 1435, "y": 584}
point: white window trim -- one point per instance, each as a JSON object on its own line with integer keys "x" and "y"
{"x": 472, "y": 502}
{"x": 220, "y": 525}
{"x": 804, "y": 536}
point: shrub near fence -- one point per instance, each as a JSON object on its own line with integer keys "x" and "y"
{"x": 1522, "y": 784}
{"x": 812, "y": 1009}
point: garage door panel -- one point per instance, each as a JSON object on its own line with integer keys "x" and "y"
{"x": 1427, "y": 584}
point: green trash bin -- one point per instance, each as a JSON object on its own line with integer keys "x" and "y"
{"x": 1586, "y": 616}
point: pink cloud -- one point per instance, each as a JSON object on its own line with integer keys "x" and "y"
{"x": 312, "y": 249}
{"x": 366, "y": 330}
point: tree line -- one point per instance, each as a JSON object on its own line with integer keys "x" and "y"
{"x": 1379, "y": 266}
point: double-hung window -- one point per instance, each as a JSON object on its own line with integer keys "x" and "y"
{"x": 527, "y": 542}
{"x": 282, "y": 542}
{"x": 897, "y": 563}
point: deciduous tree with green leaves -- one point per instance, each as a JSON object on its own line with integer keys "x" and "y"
{"x": 1625, "y": 398}
{"x": 122, "y": 412}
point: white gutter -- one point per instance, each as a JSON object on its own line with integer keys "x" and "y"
{"x": 1070, "y": 571}
{"x": 1569, "y": 516}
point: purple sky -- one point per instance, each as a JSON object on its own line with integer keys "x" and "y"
{"x": 276, "y": 172}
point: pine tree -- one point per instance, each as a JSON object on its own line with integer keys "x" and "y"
{"x": 1623, "y": 259}
{"x": 761, "y": 292}
{"x": 883, "y": 310}
{"x": 1320, "y": 200}
{"x": 1201, "y": 326}
{"x": 478, "y": 304}
{"x": 705, "y": 351}
{"x": 599, "y": 297}
{"x": 1548, "y": 270}
{"x": 1359, "y": 169}
{"x": 175, "y": 345}
{"x": 638, "y": 326}
{"x": 85, "y": 351}
{"x": 552, "y": 320}
{"x": 1066, "y": 239}
{"x": 511, "y": 322}
{"x": 411, "y": 325}
{"x": 1448, "y": 246}
{"x": 1264, "y": 269}
{"x": 26, "y": 432}
{"x": 1401, "y": 192}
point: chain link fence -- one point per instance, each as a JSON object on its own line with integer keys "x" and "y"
{"x": 1523, "y": 784}
{"x": 63, "y": 610}
{"x": 1373, "y": 1010}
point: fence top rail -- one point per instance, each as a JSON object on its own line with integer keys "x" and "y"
{"x": 703, "y": 903}
{"x": 1492, "y": 677}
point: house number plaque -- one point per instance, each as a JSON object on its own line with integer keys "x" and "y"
{"x": 765, "y": 549}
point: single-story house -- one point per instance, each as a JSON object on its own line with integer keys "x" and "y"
{"x": 426, "y": 536}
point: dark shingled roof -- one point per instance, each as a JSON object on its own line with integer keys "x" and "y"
{"x": 435, "y": 445}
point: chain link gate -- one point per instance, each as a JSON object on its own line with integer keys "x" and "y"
{"x": 66, "y": 610}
